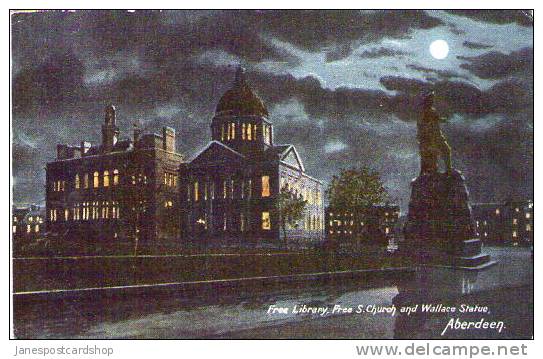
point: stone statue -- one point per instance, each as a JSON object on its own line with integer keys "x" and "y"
{"x": 432, "y": 143}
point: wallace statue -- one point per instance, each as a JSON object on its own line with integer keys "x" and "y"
{"x": 432, "y": 143}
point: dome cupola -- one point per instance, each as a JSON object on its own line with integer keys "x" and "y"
{"x": 240, "y": 100}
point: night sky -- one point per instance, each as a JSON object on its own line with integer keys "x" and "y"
{"x": 342, "y": 86}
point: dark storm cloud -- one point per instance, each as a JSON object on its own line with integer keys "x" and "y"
{"x": 475, "y": 45}
{"x": 381, "y": 52}
{"x": 170, "y": 68}
{"x": 441, "y": 74}
{"x": 496, "y": 65}
{"x": 521, "y": 17}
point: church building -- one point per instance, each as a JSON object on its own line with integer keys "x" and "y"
{"x": 229, "y": 190}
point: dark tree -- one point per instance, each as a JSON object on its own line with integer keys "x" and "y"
{"x": 290, "y": 208}
{"x": 356, "y": 189}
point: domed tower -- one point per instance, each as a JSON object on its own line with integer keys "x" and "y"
{"x": 241, "y": 119}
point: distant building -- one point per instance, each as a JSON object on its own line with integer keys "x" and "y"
{"x": 505, "y": 223}
{"x": 377, "y": 225}
{"x": 119, "y": 189}
{"x": 27, "y": 223}
{"x": 229, "y": 190}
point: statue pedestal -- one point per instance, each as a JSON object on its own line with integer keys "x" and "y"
{"x": 439, "y": 228}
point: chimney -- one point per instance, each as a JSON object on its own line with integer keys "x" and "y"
{"x": 62, "y": 152}
{"x": 168, "y": 139}
{"x": 137, "y": 133}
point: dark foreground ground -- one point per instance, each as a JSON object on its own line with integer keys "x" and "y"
{"x": 506, "y": 289}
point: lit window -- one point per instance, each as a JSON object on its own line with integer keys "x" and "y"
{"x": 28, "y": 228}
{"x": 486, "y": 234}
{"x": 106, "y": 178}
{"x": 265, "y": 186}
{"x": 249, "y": 132}
{"x": 188, "y": 192}
{"x": 266, "y": 223}
{"x": 77, "y": 182}
{"x": 514, "y": 221}
{"x": 14, "y": 229}
{"x": 66, "y": 214}
{"x": 497, "y": 211}
{"x": 254, "y": 132}
{"x": 233, "y": 136}
{"x": 528, "y": 228}
{"x": 86, "y": 180}
{"x": 242, "y": 222}
{"x": 115, "y": 177}
{"x": 196, "y": 194}
{"x": 517, "y": 209}
{"x": 243, "y": 131}
{"x": 222, "y": 133}
{"x": 249, "y": 189}
{"x": 96, "y": 182}
{"x": 232, "y": 189}
{"x": 514, "y": 234}
{"x": 229, "y": 131}
{"x": 528, "y": 215}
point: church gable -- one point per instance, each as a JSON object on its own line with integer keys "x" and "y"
{"x": 292, "y": 158}
{"x": 217, "y": 152}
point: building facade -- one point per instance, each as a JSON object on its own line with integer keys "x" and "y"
{"x": 507, "y": 223}
{"x": 377, "y": 225}
{"x": 27, "y": 224}
{"x": 228, "y": 192}
{"x": 118, "y": 190}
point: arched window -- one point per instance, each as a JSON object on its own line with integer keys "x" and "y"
{"x": 243, "y": 131}
{"x": 106, "y": 178}
{"x": 96, "y": 181}
{"x": 249, "y": 132}
{"x": 115, "y": 177}
{"x": 254, "y": 132}
{"x": 77, "y": 182}
{"x": 233, "y": 130}
{"x": 265, "y": 186}
{"x": 86, "y": 180}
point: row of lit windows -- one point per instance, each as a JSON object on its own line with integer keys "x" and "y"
{"x": 30, "y": 219}
{"x": 331, "y": 231}
{"x": 88, "y": 210}
{"x": 170, "y": 179}
{"x": 29, "y": 228}
{"x": 195, "y": 192}
{"x": 313, "y": 223}
{"x": 313, "y": 197}
{"x": 59, "y": 186}
{"x": 265, "y": 222}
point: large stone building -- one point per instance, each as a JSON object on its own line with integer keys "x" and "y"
{"x": 118, "y": 190}
{"x": 27, "y": 225}
{"x": 229, "y": 190}
{"x": 377, "y": 225}
{"x": 506, "y": 223}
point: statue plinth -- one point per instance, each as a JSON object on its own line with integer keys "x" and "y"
{"x": 439, "y": 228}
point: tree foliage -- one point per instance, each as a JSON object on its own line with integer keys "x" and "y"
{"x": 290, "y": 208}
{"x": 356, "y": 189}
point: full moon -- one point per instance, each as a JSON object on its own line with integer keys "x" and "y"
{"x": 439, "y": 49}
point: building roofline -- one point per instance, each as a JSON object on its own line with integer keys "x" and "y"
{"x": 212, "y": 143}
